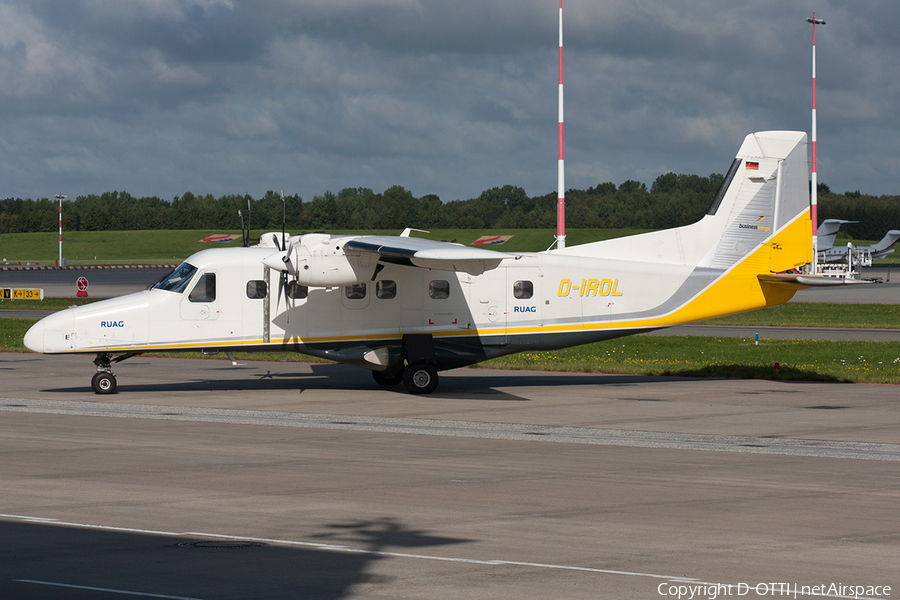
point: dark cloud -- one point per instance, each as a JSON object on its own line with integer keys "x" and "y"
{"x": 224, "y": 96}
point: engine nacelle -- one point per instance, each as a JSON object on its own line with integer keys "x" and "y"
{"x": 319, "y": 260}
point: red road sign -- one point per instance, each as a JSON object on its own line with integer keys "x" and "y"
{"x": 82, "y": 284}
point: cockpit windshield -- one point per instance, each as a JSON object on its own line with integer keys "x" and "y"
{"x": 178, "y": 279}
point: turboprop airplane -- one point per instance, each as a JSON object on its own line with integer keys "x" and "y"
{"x": 838, "y": 254}
{"x": 406, "y": 308}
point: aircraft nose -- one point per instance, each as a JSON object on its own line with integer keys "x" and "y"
{"x": 50, "y": 333}
{"x": 34, "y": 337}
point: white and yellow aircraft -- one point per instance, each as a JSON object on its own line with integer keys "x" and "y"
{"x": 406, "y": 307}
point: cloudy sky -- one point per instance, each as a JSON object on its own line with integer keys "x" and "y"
{"x": 159, "y": 97}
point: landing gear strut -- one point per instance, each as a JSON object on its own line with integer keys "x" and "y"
{"x": 104, "y": 381}
{"x": 420, "y": 375}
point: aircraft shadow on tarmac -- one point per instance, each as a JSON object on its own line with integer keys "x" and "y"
{"x": 474, "y": 385}
{"x": 37, "y": 555}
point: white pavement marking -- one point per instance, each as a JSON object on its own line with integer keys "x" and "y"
{"x": 107, "y": 590}
{"x": 349, "y": 550}
{"x": 468, "y": 429}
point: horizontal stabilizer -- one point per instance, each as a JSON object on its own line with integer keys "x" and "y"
{"x": 807, "y": 281}
{"x": 429, "y": 254}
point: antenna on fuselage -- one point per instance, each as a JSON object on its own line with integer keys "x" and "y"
{"x": 243, "y": 236}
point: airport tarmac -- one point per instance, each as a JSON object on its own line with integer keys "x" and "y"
{"x": 287, "y": 480}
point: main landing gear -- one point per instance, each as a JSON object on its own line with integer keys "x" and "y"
{"x": 420, "y": 375}
{"x": 418, "y": 378}
{"x": 104, "y": 381}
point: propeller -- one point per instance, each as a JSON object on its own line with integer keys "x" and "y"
{"x": 286, "y": 265}
{"x": 286, "y": 259}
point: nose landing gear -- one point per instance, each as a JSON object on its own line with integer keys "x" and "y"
{"x": 104, "y": 381}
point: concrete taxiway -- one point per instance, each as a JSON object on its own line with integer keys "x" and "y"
{"x": 286, "y": 480}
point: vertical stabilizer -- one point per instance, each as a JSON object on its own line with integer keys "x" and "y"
{"x": 753, "y": 217}
{"x": 768, "y": 191}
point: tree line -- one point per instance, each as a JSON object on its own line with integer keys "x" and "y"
{"x": 672, "y": 200}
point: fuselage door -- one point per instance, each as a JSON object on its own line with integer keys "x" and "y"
{"x": 489, "y": 305}
{"x": 202, "y": 302}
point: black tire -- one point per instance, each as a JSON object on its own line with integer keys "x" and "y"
{"x": 388, "y": 377}
{"x": 104, "y": 383}
{"x": 420, "y": 378}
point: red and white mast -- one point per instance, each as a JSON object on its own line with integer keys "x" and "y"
{"x": 60, "y": 196}
{"x": 814, "y": 188}
{"x": 561, "y": 172}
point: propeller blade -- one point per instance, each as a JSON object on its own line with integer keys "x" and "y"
{"x": 281, "y": 279}
{"x": 286, "y": 259}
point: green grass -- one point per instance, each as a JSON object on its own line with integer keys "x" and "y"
{"x": 819, "y": 314}
{"x": 799, "y": 360}
{"x": 45, "y": 304}
{"x": 106, "y": 247}
{"x": 117, "y": 247}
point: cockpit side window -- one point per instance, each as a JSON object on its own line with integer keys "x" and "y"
{"x": 205, "y": 290}
{"x": 177, "y": 280}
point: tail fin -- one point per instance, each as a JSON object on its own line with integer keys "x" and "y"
{"x": 887, "y": 241}
{"x": 760, "y": 216}
{"x": 827, "y": 231}
{"x": 765, "y": 209}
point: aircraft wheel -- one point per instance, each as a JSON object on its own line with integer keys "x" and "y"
{"x": 104, "y": 383}
{"x": 388, "y": 377}
{"x": 420, "y": 378}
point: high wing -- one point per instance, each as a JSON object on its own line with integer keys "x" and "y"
{"x": 429, "y": 254}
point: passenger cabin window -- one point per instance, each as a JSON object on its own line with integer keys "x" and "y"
{"x": 257, "y": 289}
{"x": 439, "y": 289}
{"x": 355, "y": 292}
{"x": 177, "y": 280}
{"x": 295, "y": 291}
{"x": 523, "y": 290}
{"x": 386, "y": 289}
{"x": 205, "y": 290}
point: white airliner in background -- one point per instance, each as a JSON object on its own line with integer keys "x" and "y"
{"x": 406, "y": 307}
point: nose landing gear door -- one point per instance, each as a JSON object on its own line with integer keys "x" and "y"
{"x": 201, "y": 303}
